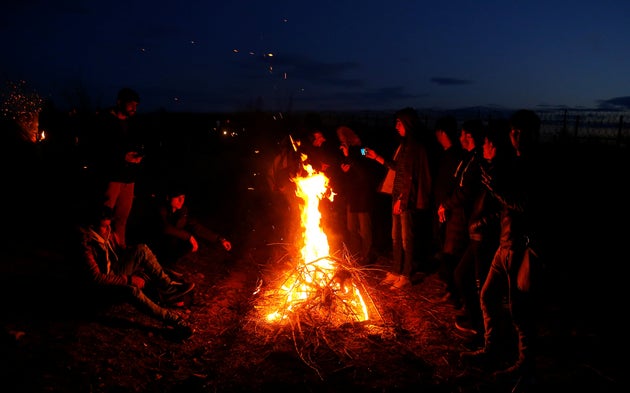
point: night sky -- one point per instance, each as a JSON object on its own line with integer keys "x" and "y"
{"x": 207, "y": 56}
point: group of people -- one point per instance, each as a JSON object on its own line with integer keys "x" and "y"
{"x": 473, "y": 185}
{"x": 480, "y": 190}
{"x": 143, "y": 274}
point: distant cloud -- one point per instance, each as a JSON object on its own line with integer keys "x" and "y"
{"x": 369, "y": 98}
{"x": 615, "y": 103}
{"x": 313, "y": 70}
{"x": 450, "y": 81}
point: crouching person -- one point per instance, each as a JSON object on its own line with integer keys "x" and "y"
{"x": 132, "y": 274}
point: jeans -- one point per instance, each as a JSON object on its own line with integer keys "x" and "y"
{"x": 140, "y": 261}
{"x": 501, "y": 280}
{"x": 359, "y": 225}
{"x": 119, "y": 197}
{"x": 402, "y": 243}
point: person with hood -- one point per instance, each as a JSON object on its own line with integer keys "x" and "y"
{"x": 411, "y": 191}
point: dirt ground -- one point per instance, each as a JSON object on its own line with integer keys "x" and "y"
{"x": 51, "y": 343}
{"x": 411, "y": 344}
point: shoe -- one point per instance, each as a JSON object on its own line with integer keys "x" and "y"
{"x": 449, "y": 298}
{"x": 181, "y": 329}
{"x": 175, "y": 291}
{"x": 390, "y": 278}
{"x": 402, "y": 282}
{"x": 481, "y": 358}
{"x": 463, "y": 324}
{"x": 515, "y": 372}
{"x": 173, "y": 273}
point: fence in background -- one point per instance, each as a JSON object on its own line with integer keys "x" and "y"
{"x": 566, "y": 125}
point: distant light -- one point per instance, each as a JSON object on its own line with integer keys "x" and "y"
{"x": 285, "y": 20}
{"x": 175, "y": 99}
{"x": 235, "y": 50}
{"x": 192, "y": 42}
{"x": 251, "y": 53}
{"x": 143, "y": 50}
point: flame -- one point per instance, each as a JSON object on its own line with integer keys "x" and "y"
{"x": 318, "y": 275}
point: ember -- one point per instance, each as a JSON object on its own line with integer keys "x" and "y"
{"x": 322, "y": 286}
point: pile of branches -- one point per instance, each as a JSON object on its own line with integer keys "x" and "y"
{"x": 322, "y": 327}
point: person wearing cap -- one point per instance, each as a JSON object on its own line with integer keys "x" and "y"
{"x": 115, "y": 150}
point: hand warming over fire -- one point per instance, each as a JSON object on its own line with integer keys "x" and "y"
{"x": 441, "y": 213}
{"x": 193, "y": 243}
{"x": 133, "y": 157}
{"x": 226, "y": 244}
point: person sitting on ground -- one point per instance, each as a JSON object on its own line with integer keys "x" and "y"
{"x": 179, "y": 233}
{"x": 131, "y": 274}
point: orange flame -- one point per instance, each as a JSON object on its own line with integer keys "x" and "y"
{"x": 318, "y": 275}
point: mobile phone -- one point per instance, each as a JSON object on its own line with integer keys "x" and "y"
{"x": 363, "y": 151}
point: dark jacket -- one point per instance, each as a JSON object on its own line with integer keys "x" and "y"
{"x": 358, "y": 185}
{"x": 109, "y": 142}
{"x": 180, "y": 225}
{"x": 412, "y": 182}
{"x": 445, "y": 181}
{"x": 97, "y": 256}
{"x": 513, "y": 188}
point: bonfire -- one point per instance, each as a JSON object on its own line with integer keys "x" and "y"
{"x": 321, "y": 286}
{"x": 315, "y": 296}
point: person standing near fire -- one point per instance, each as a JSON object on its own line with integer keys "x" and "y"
{"x": 411, "y": 191}
{"x": 454, "y": 210}
{"x": 359, "y": 193}
{"x": 514, "y": 188}
{"x": 114, "y": 154}
{"x": 322, "y": 154}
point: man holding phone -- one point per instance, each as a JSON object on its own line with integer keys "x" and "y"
{"x": 114, "y": 153}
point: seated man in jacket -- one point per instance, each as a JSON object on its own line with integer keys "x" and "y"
{"x": 131, "y": 274}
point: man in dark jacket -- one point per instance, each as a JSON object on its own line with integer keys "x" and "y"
{"x": 179, "y": 233}
{"x": 115, "y": 150}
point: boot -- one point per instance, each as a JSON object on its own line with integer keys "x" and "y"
{"x": 181, "y": 329}
{"x": 175, "y": 290}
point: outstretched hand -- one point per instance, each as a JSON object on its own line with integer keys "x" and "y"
{"x": 369, "y": 153}
{"x": 226, "y": 244}
{"x": 193, "y": 243}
